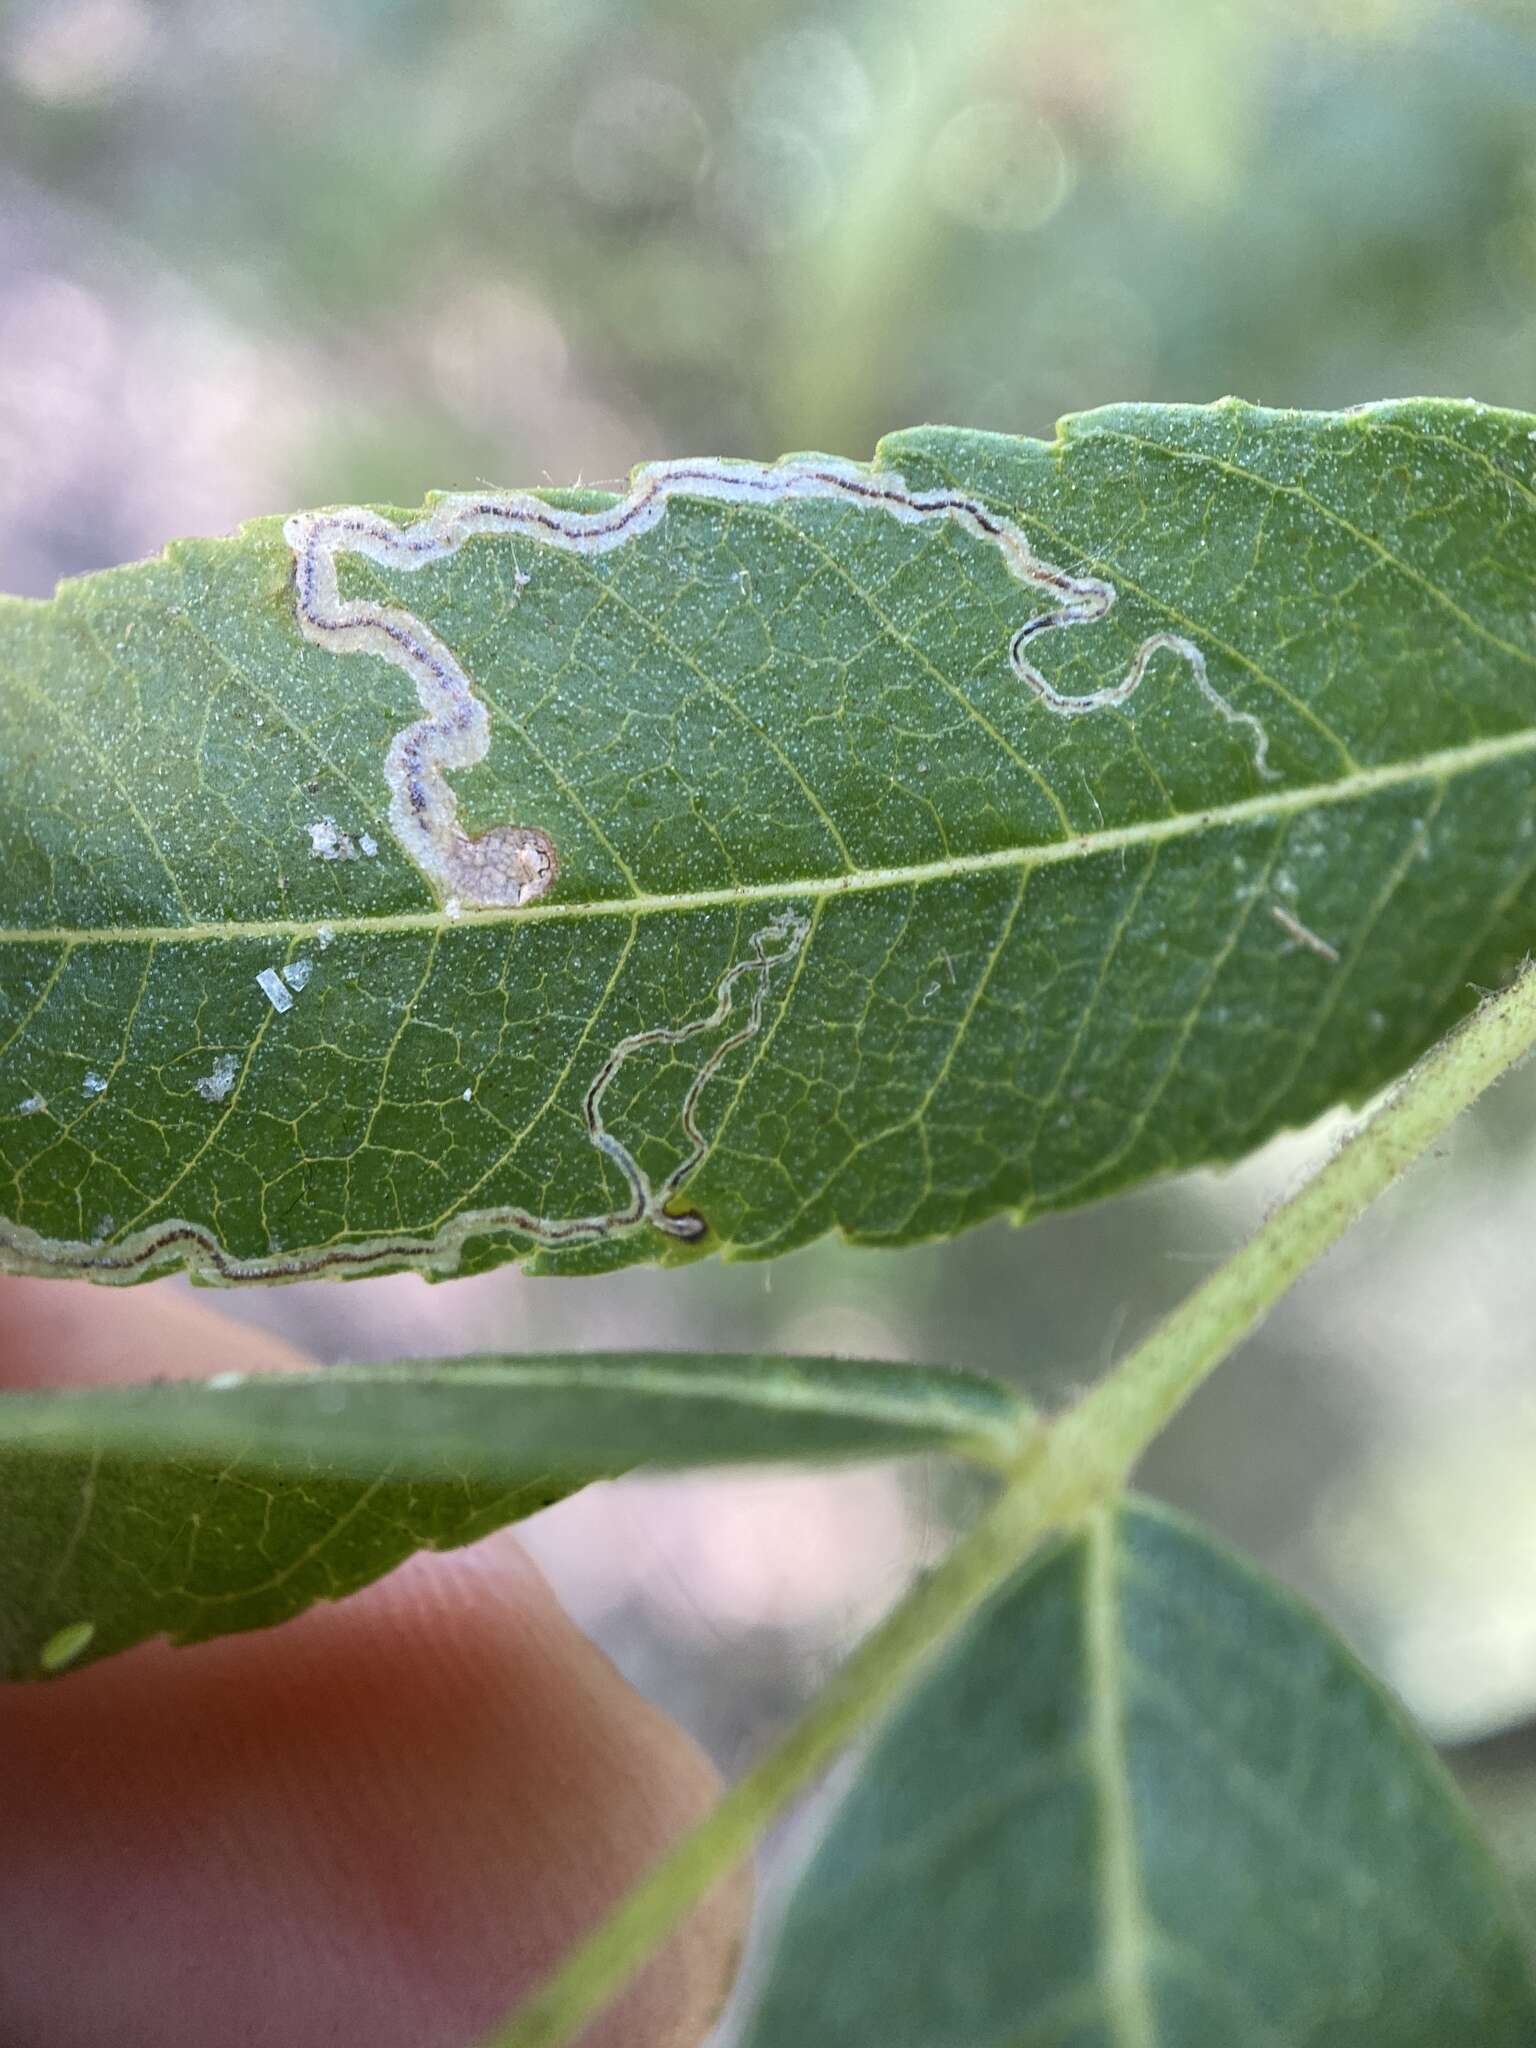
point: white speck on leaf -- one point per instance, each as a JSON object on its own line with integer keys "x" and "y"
{"x": 1300, "y": 934}
{"x": 93, "y": 1084}
{"x": 328, "y": 842}
{"x": 298, "y": 974}
{"x": 270, "y": 982}
{"x": 215, "y": 1086}
{"x": 32, "y": 1105}
{"x": 324, "y": 936}
{"x": 368, "y": 844}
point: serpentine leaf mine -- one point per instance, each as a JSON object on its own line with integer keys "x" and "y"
{"x": 776, "y": 944}
{"x": 511, "y": 865}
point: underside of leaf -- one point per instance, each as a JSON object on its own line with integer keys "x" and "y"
{"x": 771, "y": 849}
{"x": 195, "y": 1509}
{"x": 1146, "y": 1800}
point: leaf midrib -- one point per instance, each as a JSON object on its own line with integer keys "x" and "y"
{"x": 50, "y": 1420}
{"x": 1441, "y": 766}
{"x": 1126, "y": 1934}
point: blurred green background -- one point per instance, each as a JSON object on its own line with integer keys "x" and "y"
{"x": 252, "y": 257}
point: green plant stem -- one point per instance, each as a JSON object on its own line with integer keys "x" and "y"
{"x": 1061, "y": 1472}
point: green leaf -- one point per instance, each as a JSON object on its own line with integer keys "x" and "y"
{"x": 794, "y": 763}
{"x": 1148, "y": 1801}
{"x": 198, "y": 1508}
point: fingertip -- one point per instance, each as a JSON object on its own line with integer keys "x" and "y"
{"x": 385, "y": 1821}
{"x": 72, "y": 1333}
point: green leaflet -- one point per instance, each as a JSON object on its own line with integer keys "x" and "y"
{"x": 857, "y": 927}
{"x": 195, "y": 1509}
{"x": 1147, "y": 1801}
